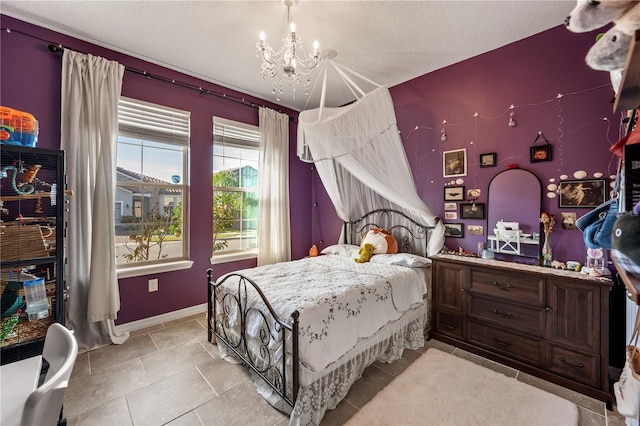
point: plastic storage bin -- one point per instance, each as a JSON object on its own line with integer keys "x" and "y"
{"x": 18, "y": 127}
{"x": 36, "y": 295}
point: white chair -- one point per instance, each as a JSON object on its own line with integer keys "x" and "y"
{"x": 44, "y": 405}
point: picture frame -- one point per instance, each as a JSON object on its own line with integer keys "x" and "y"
{"x": 540, "y": 153}
{"x": 454, "y": 193}
{"x": 488, "y": 160}
{"x": 475, "y": 229}
{"x": 453, "y": 230}
{"x": 586, "y": 193}
{"x": 454, "y": 163}
{"x": 472, "y": 211}
{"x": 450, "y": 206}
{"x": 450, "y": 215}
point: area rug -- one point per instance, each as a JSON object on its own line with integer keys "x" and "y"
{"x": 445, "y": 390}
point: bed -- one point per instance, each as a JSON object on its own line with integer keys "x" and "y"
{"x": 308, "y": 328}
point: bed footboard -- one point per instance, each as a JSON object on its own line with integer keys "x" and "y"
{"x": 229, "y": 317}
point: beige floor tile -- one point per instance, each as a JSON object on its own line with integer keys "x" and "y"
{"x": 223, "y": 376}
{"x": 195, "y": 317}
{"x": 146, "y": 330}
{"x": 89, "y": 392}
{"x": 240, "y": 406}
{"x": 115, "y": 412}
{"x": 174, "y": 335}
{"x": 342, "y": 413}
{"x": 111, "y": 355}
{"x": 589, "y": 418}
{"x": 81, "y": 367}
{"x": 172, "y": 360}
{"x": 373, "y": 380}
{"x": 397, "y": 367}
{"x": 170, "y": 398}
{"x": 189, "y": 419}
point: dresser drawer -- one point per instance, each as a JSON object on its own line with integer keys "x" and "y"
{"x": 523, "y": 318}
{"x": 577, "y": 366}
{"x": 524, "y": 348}
{"x": 521, "y": 288}
{"x": 452, "y": 325}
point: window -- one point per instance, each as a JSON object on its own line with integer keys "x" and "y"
{"x": 235, "y": 190}
{"x": 151, "y": 184}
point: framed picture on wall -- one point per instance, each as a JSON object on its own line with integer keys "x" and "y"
{"x": 582, "y": 193}
{"x": 454, "y": 163}
{"x": 454, "y": 193}
{"x": 454, "y": 230}
{"x": 472, "y": 211}
{"x": 450, "y": 206}
{"x": 450, "y": 215}
{"x": 475, "y": 229}
{"x": 488, "y": 160}
{"x": 540, "y": 153}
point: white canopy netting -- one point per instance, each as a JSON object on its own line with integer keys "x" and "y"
{"x": 361, "y": 160}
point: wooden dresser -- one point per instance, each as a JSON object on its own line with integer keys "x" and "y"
{"x": 550, "y": 323}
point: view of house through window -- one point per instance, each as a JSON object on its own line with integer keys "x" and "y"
{"x": 151, "y": 185}
{"x": 235, "y": 187}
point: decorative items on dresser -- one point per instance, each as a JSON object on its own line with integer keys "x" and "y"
{"x": 550, "y": 323}
{"x": 32, "y": 228}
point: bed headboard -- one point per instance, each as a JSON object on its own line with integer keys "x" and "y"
{"x": 412, "y": 237}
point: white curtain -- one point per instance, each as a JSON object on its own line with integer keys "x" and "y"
{"x": 89, "y": 124}
{"x": 274, "y": 229}
{"x": 361, "y": 160}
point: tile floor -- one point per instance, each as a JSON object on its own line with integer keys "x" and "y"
{"x": 171, "y": 375}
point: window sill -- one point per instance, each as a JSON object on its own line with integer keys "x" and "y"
{"x": 232, "y": 257}
{"x": 137, "y": 271}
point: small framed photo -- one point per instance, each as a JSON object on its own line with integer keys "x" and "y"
{"x": 454, "y": 230}
{"x": 582, "y": 193}
{"x": 454, "y": 163}
{"x": 472, "y": 211}
{"x": 450, "y": 215}
{"x": 454, "y": 193}
{"x": 475, "y": 229}
{"x": 569, "y": 221}
{"x": 450, "y": 206}
{"x": 488, "y": 160}
{"x": 473, "y": 193}
{"x": 540, "y": 153}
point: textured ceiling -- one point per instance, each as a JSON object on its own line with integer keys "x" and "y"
{"x": 388, "y": 42}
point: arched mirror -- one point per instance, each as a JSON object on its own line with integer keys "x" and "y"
{"x": 513, "y": 213}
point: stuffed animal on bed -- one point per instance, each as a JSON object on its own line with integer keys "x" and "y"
{"x": 382, "y": 241}
{"x": 365, "y": 253}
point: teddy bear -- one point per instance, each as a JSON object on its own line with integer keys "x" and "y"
{"x": 365, "y": 253}
{"x": 589, "y": 15}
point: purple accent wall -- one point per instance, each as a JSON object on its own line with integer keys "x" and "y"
{"x": 30, "y": 81}
{"x": 531, "y": 73}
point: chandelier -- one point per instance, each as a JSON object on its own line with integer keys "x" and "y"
{"x": 290, "y": 65}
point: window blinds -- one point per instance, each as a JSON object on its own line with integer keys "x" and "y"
{"x": 235, "y": 133}
{"x": 153, "y": 122}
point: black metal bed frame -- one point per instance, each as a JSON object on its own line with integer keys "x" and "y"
{"x": 222, "y": 305}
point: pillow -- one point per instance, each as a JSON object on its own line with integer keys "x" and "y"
{"x": 381, "y": 240}
{"x": 349, "y": 250}
{"x": 402, "y": 259}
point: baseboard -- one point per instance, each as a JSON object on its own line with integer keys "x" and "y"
{"x": 159, "y": 319}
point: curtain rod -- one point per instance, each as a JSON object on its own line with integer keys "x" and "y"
{"x": 59, "y": 48}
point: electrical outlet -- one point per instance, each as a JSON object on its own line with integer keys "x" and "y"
{"x": 153, "y": 285}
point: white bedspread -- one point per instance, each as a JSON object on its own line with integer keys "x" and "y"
{"x": 339, "y": 300}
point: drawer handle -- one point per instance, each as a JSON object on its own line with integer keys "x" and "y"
{"x": 507, "y": 287}
{"x": 450, "y": 327}
{"x": 564, "y": 361}
{"x": 502, "y": 342}
{"x": 502, "y": 314}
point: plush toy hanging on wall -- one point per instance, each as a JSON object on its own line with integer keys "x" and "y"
{"x": 609, "y": 53}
